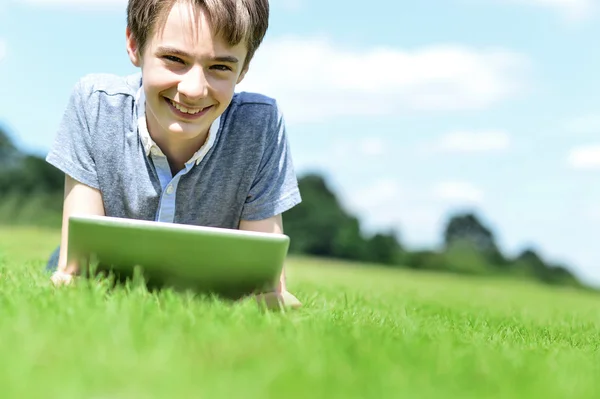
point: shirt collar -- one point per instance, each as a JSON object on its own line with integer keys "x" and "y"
{"x": 150, "y": 147}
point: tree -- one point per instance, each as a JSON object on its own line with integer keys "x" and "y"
{"x": 467, "y": 229}
{"x": 320, "y": 226}
{"x": 31, "y": 190}
{"x": 348, "y": 242}
{"x": 529, "y": 262}
{"x": 314, "y": 224}
{"x": 8, "y": 152}
{"x": 6, "y": 143}
{"x": 36, "y": 175}
{"x": 426, "y": 260}
{"x": 384, "y": 249}
{"x": 463, "y": 257}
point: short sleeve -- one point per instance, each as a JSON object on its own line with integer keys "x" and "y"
{"x": 71, "y": 151}
{"x": 275, "y": 188}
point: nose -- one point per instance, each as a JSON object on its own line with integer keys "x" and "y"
{"x": 194, "y": 85}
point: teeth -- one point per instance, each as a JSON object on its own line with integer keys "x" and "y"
{"x": 184, "y": 109}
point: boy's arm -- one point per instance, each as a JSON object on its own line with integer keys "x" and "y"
{"x": 79, "y": 199}
{"x": 271, "y": 225}
{"x": 281, "y": 295}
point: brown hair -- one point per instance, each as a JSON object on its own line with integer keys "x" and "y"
{"x": 232, "y": 20}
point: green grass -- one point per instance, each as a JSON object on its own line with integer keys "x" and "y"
{"x": 365, "y": 332}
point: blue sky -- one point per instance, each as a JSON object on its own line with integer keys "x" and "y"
{"x": 411, "y": 109}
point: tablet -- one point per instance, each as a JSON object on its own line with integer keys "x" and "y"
{"x": 207, "y": 259}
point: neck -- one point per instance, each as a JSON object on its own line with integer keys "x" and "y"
{"x": 177, "y": 149}
{"x": 178, "y": 152}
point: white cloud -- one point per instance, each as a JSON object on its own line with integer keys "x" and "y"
{"x": 585, "y": 157}
{"x": 481, "y": 141}
{"x": 342, "y": 155}
{"x": 574, "y": 10}
{"x": 585, "y": 124}
{"x": 314, "y": 78}
{"x": 592, "y": 213}
{"x": 81, "y": 4}
{"x": 387, "y": 203}
{"x": 292, "y": 5}
{"x": 417, "y": 213}
{"x": 347, "y": 150}
{"x": 372, "y": 146}
{"x": 378, "y": 195}
{"x": 458, "y": 192}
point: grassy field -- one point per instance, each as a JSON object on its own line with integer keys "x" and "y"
{"x": 363, "y": 333}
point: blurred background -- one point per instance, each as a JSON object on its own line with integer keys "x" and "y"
{"x": 456, "y": 135}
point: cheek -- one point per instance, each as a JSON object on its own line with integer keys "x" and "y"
{"x": 223, "y": 89}
{"x": 157, "y": 76}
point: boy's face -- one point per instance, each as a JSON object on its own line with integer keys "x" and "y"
{"x": 189, "y": 75}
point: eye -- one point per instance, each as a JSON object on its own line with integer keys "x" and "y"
{"x": 221, "y": 67}
{"x": 173, "y": 59}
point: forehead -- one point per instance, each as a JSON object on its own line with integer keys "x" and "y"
{"x": 188, "y": 25}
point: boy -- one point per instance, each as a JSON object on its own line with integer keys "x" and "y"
{"x": 174, "y": 143}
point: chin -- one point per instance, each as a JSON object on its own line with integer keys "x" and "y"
{"x": 189, "y": 131}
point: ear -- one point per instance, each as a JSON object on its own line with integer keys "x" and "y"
{"x": 132, "y": 49}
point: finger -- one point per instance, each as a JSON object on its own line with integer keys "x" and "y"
{"x": 289, "y": 300}
{"x": 61, "y": 278}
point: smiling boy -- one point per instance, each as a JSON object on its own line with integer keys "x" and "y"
{"x": 175, "y": 143}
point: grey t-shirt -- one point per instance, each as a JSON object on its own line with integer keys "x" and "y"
{"x": 245, "y": 172}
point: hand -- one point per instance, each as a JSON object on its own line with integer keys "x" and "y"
{"x": 277, "y": 300}
{"x": 61, "y": 278}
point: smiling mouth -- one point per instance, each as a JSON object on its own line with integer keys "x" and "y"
{"x": 185, "y": 111}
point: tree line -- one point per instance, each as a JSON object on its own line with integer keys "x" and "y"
{"x": 31, "y": 192}
{"x": 320, "y": 226}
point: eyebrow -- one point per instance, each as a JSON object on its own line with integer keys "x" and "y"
{"x": 180, "y": 53}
